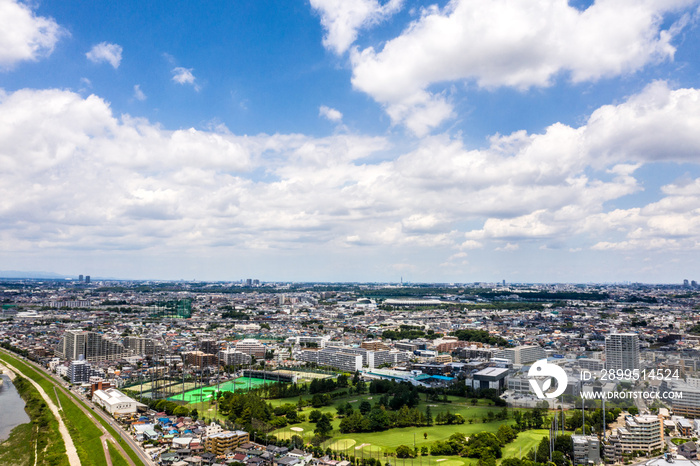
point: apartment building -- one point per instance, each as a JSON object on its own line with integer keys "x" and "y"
{"x": 522, "y": 355}
{"x": 622, "y": 351}
{"x": 374, "y": 345}
{"x": 640, "y": 433}
{"x": 230, "y": 357}
{"x": 200, "y": 359}
{"x": 225, "y": 442}
{"x": 93, "y": 346}
{"x": 140, "y": 346}
{"x": 689, "y": 404}
{"x": 251, "y": 347}
{"x": 586, "y": 449}
{"x": 334, "y": 356}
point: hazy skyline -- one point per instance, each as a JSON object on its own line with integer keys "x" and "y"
{"x": 338, "y": 140}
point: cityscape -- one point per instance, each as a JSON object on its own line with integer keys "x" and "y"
{"x": 349, "y": 233}
{"x": 261, "y": 373}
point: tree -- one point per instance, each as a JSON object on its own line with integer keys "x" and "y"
{"x": 543, "y": 450}
{"x": 378, "y": 419}
{"x": 505, "y": 434}
{"x": 365, "y": 407}
{"x": 403, "y": 451}
{"x": 486, "y": 461}
{"x": 181, "y": 411}
{"x": 315, "y": 415}
{"x": 323, "y": 426}
{"x": 563, "y": 444}
{"x": 559, "y": 459}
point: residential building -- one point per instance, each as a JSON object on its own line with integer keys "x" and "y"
{"x": 586, "y": 449}
{"x": 622, "y": 351}
{"x": 251, "y": 347}
{"x": 333, "y": 356}
{"x": 201, "y": 359}
{"x": 93, "y": 346}
{"x": 140, "y": 346}
{"x": 80, "y": 371}
{"x": 232, "y": 357}
{"x": 689, "y": 404}
{"x": 225, "y": 442}
{"x": 640, "y": 433}
{"x": 522, "y": 355}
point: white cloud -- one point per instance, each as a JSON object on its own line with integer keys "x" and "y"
{"x": 510, "y": 43}
{"x": 330, "y": 113}
{"x": 23, "y": 35}
{"x": 138, "y": 93}
{"x": 343, "y": 18}
{"x": 106, "y": 52}
{"x": 658, "y": 124}
{"x": 184, "y": 76}
{"x": 144, "y": 187}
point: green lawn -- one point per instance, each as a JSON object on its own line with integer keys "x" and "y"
{"x": 117, "y": 458}
{"x": 388, "y": 440}
{"x": 378, "y": 443}
{"x": 526, "y": 440}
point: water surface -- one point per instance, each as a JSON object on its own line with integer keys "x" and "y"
{"x": 11, "y": 408}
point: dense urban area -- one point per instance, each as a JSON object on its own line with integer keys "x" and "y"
{"x": 256, "y": 373}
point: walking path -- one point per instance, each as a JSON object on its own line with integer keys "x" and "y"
{"x": 106, "y": 435}
{"x": 71, "y": 452}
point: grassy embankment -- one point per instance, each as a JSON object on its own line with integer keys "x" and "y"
{"x": 37, "y": 442}
{"x": 85, "y": 434}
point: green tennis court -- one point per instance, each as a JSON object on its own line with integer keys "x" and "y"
{"x": 241, "y": 384}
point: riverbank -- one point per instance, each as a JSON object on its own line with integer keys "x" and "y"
{"x": 13, "y": 413}
{"x": 37, "y": 442}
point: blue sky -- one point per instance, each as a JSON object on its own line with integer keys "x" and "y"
{"x": 352, "y": 140}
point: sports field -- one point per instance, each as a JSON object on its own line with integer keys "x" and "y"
{"x": 241, "y": 384}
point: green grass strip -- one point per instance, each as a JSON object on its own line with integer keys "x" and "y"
{"x": 41, "y": 436}
{"x": 117, "y": 458}
{"x": 82, "y": 429}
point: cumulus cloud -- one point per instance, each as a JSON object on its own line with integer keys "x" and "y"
{"x": 510, "y": 43}
{"x": 184, "y": 76}
{"x": 23, "y": 35}
{"x": 106, "y": 52}
{"x": 343, "y": 18}
{"x": 330, "y": 114}
{"x": 118, "y": 182}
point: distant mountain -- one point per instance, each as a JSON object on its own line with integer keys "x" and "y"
{"x": 31, "y": 274}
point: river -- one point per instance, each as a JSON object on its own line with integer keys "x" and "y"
{"x": 11, "y": 408}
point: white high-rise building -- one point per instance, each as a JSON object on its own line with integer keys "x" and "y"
{"x": 522, "y": 354}
{"x": 622, "y": 351}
